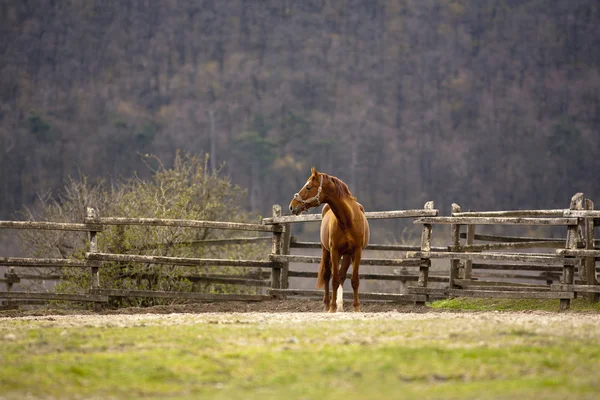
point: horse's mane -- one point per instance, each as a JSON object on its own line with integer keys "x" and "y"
{"x": 341, "y": 189}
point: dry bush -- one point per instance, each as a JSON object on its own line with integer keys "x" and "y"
{"x": 185, "y": 191}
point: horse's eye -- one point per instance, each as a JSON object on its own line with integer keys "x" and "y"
{"x": 308, "y": 188}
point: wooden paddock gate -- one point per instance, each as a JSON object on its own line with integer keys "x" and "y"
{"x": 478, "y": 265}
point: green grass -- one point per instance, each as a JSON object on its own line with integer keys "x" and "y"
{"x": 475, "y": 304}
{"x": 431, "y": 357}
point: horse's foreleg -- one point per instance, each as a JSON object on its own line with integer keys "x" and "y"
{"x": 335, "y": 280}
{"x": 343, "y": 271}
{"x": 325, "y": 276}
{"x": 355, "y": 279}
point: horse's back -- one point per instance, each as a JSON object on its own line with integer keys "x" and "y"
{"x": 329, "y": 224}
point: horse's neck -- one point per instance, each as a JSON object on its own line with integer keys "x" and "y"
{"x": 342, "y": 210}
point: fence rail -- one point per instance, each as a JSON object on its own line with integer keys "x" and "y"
{"x": 47, "y": 262}
{"x": 55, "y": 296}
{"x": 182, "y": 295}
{"x": 365, "y": 261}
{"x": 295, "y": 243}
{"x": 213, "y": 262}
{"x": 182, "y": 223}
{"x": 52, "y": 226}
{"x": 490, "y": 269}
{"x": 520, "y": 257}
{"x": 496, "y": 221}
{"x": 369, "y": 215}
{"x": 513, "y": 213}
{"x": 395, "y": 297}
{"x": 494, "y": 294}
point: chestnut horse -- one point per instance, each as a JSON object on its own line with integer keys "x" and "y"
{"x": 344, "y": 233}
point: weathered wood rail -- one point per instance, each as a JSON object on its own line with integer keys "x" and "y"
{"x": 492, "y": 269}
{"x": 94, "y": 260}
{"x": 370, "y": 215}
{"x": 570, "y": 256}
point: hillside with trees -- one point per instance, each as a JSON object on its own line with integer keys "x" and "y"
{"x": 491, "y": 104}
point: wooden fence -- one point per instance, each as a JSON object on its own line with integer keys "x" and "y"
{"x": 282, "y": 255}
{"x": 94, "y": 260}
{"x": 278, "y": 261}
{"x": 490, "y": 269}
{"x": 575, "y": 254}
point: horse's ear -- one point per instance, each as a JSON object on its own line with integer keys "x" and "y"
{"x": 313, "y": 171}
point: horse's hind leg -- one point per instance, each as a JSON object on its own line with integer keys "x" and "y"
{"x": 343, "y": 271}
{"x": 325, "y": 276}
{"x": 335, "y": 279}
{"x": 355, "y": 279}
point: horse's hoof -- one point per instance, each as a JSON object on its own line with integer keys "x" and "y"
{"x": 332, "y": 310}
{"x": 356, "y": 309}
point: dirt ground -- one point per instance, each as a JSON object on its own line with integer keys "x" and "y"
{"x": 289, "y": 312}
{"x": 286, "y": 311}
{"x": 272, "y": 306}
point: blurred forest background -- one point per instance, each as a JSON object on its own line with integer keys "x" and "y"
{"x": 488, "y": 103}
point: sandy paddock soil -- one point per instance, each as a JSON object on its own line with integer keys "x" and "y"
{"x": 286, "y": 312}
{"x": 274, "y": 306}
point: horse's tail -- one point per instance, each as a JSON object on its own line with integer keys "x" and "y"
{"x": 324, "y": 270}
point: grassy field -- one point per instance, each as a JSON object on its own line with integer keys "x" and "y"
{"x": 475, "y": 304}
{"x": 347, "y": 356}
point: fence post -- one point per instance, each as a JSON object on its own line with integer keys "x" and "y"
{"x": 403, "y": 283}
{"x": 276, "y": 250}
{"x": 455, "y": 238}
{"x": 580, "y": 244}
{"x": 92, "y": 214}
{"x": 285, "y": 250}
{"x": 571, "y": 243}
{"x": 468, "y": 271}
{"x": 590, "y": 262}
{"x": 425, "y": 246}
{"x": 11, "y": 278}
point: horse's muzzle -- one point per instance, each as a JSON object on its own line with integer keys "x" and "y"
{"x": 296, "y": 210}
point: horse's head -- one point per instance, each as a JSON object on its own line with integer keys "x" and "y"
{"x": 310, "y": 195}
